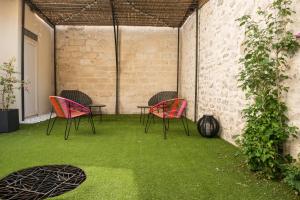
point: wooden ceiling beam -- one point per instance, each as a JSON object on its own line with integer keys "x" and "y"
{"x": 202, "y": 2}
{"x": 35, "y": 9}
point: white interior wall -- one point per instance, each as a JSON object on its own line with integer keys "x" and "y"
{"x": 45, "y": 68}
{"x": 10, "y": 47}
{"x": 10, "y": 40}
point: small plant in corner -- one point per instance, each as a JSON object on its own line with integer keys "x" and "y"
{"x": 9, "y": 118}
{"x": 291, "y": 174}
{"x": 268, "y": 46}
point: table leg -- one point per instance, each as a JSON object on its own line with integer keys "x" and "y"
{"x": 144, "y": 111}
{"x": 100, "y": 113}
{"x": 141, "y": 115}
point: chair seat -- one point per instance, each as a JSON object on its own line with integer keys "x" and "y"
{"x": 68, "y": 109}
{"x": 170, "y": 109}
{"x": 158, "y": 114}
{"x": 76, "y": 113}
{"x": 163, "y": 115}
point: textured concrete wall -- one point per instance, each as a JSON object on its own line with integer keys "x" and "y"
{"x": 148, "y": 62}
{"x": 220, "y": 48}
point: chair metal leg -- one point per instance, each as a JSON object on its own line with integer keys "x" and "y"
{"x": 68, "y": 128}
{"x": 92, "y": 121}
{"x": 77, "y": 123}
{"x": 100, "y": 112}
{"x": 164, "y": 128}
{"x": 185, "y": 125}
{"x": 52, "y": 124}
{"x": 168, "y": 127}
{"x": 148, "y": 123}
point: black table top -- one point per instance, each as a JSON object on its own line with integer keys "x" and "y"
{"x": 144, "y": 106}
{"x": 96, "y": 105}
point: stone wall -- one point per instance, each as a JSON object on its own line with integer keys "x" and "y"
{"x": 220, "y": 48}
{"x": 293, "y": 98}
{"x": 86, "y": 61}
{"x": 148, "y": 64}
{"x": 219, "y": 52}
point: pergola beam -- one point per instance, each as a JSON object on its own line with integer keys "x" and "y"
{"x": 196, "y": 65}
{"x": 55, "y": 61}
{"x": 161, "y": 13}
{"x": 135, "y": 8}
{"x": 116, "y": 37}
{"x": 202, "y": 2}
{"x": 192, "y": 7}
{"x": 22, "y": 61}
{"x": 178, "y": 58}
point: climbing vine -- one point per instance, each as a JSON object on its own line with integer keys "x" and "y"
{"x": 268, "y": 46}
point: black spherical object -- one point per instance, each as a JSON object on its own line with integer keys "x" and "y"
{"x": 208, "y": 126}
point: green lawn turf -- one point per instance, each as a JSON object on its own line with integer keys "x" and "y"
{"x": 122, "y": 162}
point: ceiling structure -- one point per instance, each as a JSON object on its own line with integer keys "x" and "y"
{"x": 161, "y": 13}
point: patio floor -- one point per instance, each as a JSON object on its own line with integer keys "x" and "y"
{"x": 122, "y": 162}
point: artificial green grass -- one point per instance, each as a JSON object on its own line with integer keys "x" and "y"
{"x": 122, "y": 162}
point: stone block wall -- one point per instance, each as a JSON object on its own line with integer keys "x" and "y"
{"x": 148, "y": 64}
{"x": 220, "y": 40}
{"x": 219, "y": 52}
{"x": 293, "y": 97}
{"x": 86, "y": 61}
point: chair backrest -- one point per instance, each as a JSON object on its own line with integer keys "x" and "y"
{"x": 176, "y": 107}
{"x": 162, "y": 96}
{"x": 173, "y": 108}
{"x": 64, "y": 107}
{"x": 77, "y": 96}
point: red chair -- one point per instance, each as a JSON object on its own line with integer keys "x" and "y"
{"x": 166, "y": 110}
{"x": 70, "y": 110}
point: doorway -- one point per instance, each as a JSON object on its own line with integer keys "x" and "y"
{"x": 30, "y": 76}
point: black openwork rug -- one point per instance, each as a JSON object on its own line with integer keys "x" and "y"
{"x": 41, "y": 182}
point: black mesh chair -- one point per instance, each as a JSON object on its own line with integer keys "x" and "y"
{"x": 77, "y": 96}
{"x": 83, "y": 99}
{"x": 155, "y": 99}
{"x": 162, "y": 96}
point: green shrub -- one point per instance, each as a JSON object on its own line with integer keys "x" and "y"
{"x": 268, "y": 47}
{"x": 292, "y": 176}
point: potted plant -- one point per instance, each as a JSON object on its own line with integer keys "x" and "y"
{"x": 9, "y": 118}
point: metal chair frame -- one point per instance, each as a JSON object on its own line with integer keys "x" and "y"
{"x": 166, "y": 121}
{"x": 69, "y": 122}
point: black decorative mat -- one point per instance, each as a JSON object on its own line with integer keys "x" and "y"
{"x": 41, "y": 182}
